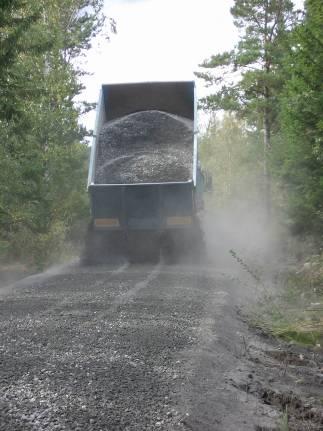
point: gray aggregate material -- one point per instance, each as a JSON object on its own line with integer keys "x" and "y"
{"x": 80, "y": 352}
{"x": 141, "y": 347}
{"x": 146, "y": 146}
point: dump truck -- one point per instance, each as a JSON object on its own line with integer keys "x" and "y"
{"x": 145, "y": 183}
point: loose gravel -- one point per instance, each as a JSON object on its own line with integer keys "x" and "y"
{"x": 95, "y": 351}
{"x": 147, "y": 146}
{"x": 136, "y": 348}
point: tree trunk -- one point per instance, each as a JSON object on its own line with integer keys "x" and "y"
{"x": 267, "y": 123}
{"x": 267, "y": 148}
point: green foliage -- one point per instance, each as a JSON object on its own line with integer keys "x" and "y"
{"x": 296, "y": 314}
{"x": 230, "y": 152}
{"x": 298, "y": 155}
{"x": 273, "y": 81}
{"x": 43, "y": 156}
{"x": 283, "y": 426}
{"x": 247, "y": 78}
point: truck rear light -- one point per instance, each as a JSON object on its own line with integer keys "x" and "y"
{"x": 178, "y": 221}
{"x": 106, "y": 222}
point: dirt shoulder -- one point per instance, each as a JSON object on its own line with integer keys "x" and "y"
{"x": 251, "y": 381}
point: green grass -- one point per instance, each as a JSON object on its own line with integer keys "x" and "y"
{"x": 4, "y": 247}
{"x": 296, "y": 313}
{"x": 283, "y": 426}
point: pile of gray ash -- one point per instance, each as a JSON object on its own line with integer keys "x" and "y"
{"x": 145, "y": 147}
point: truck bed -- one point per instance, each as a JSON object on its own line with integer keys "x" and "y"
{"x": 145, "y": 147}
{"x": 177, "y": 99}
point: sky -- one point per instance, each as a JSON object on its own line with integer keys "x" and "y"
{"x": 157, "y": 40}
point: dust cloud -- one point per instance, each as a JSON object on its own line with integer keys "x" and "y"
{"x": 241, "y": 233}
{"x": 17, "y": 275}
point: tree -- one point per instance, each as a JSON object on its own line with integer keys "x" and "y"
{"x": 231, "y": 151}
{"x": 299, "y": 152}
{"x": 249, "y": 78}
{"x": 43, "y": 153}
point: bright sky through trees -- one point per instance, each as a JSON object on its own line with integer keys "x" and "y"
{"x": 158, "y": 40}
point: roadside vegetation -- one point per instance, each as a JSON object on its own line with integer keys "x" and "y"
{"x": 43, "y": 152}
{"x": 264, "y": 147}
{"x": 295, "y": 313}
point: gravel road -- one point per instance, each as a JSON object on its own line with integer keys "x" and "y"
{"x": 132, "y": 347}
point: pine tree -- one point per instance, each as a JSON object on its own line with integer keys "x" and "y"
{"x": 249, "y": 78}
{"x": 299, "y": 157}
{"x": 43, "y": 152}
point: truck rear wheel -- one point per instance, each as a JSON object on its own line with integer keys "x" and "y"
{"x": 103, "y": 247}
{"x": 183, "y": 246}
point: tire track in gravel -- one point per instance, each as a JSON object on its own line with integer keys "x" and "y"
{"x": 29, "y": 397}
{"x": 130, "y": 294}
{"x": 41, "y": 276}
{"x": 55, "y": 270}
{"x": 74, "y": 368}
{"x": 121, "y": 269}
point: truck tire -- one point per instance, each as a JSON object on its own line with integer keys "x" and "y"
{"x": 103, "y": 247}
{"x": 183, "y": 246}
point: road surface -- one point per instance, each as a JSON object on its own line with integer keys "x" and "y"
{"x": 132, "y": 347}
